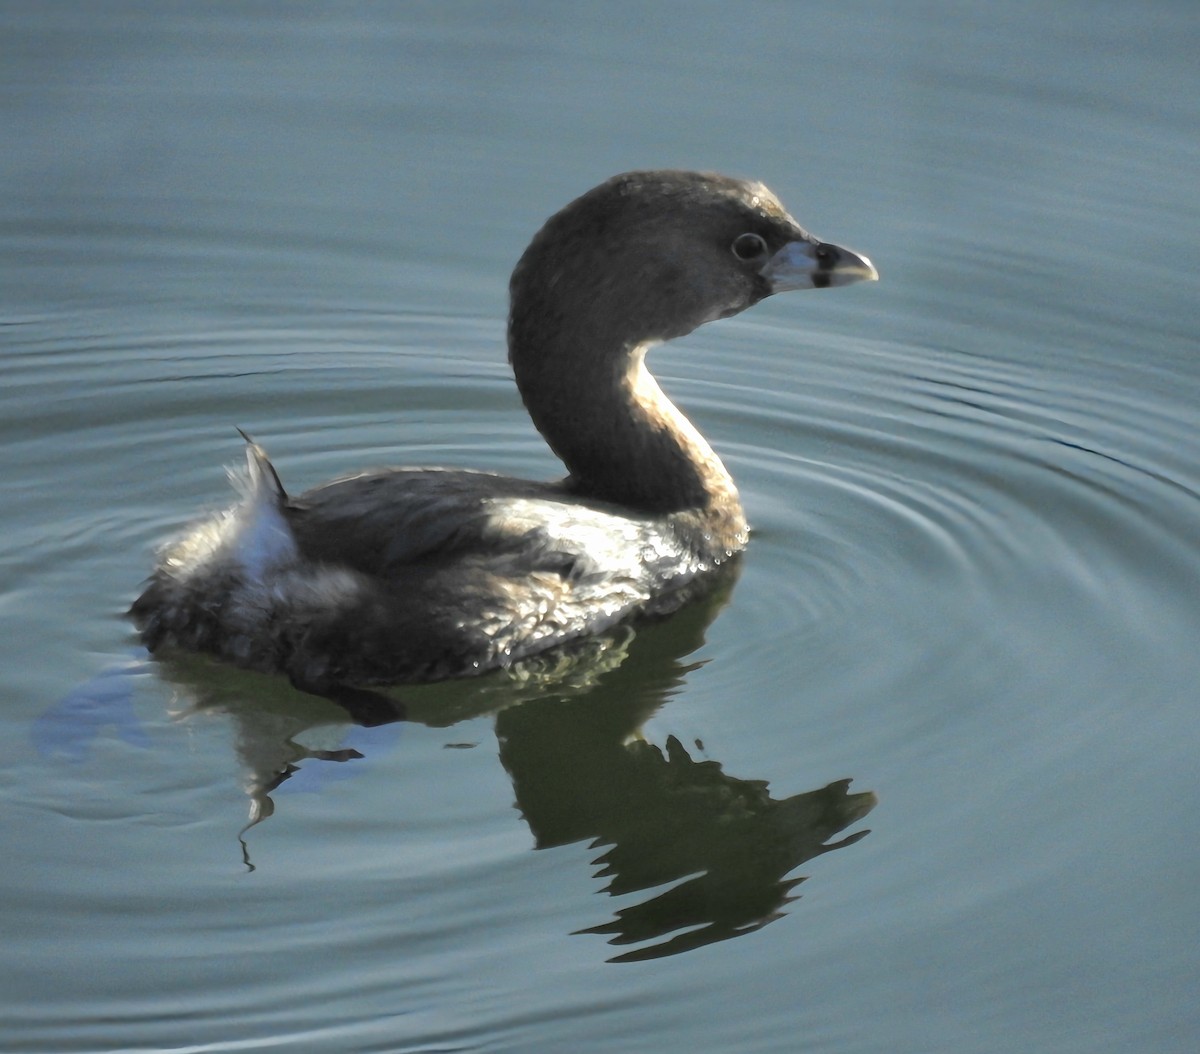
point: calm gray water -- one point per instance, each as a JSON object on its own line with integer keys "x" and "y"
{"x": 973, "y": 588}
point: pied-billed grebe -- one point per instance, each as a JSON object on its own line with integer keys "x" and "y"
{"x": 418, "y": 574}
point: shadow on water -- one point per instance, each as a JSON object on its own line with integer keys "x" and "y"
{"x": 714, "y": 850}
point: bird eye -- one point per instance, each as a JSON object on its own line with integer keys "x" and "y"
{"x": 748, "y": 246}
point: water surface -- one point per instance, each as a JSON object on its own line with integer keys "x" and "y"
{"x": 972, "y": 589}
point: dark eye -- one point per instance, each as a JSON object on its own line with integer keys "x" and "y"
{"x": 749, "y": 246}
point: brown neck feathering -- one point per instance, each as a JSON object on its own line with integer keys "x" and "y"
{"x": 620, "y": 437}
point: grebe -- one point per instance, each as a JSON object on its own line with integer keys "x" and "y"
{"x": 408, "y": 575}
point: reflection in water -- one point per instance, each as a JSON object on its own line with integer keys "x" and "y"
{"x": 276, "y": 729}
{"x": 568, "y": 727}
{"x": 67, "y": 730}
{"x": 582, "y": 773}
{"x": 663, "y": 817}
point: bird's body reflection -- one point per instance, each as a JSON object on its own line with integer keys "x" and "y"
{"x": 716, "y": 851}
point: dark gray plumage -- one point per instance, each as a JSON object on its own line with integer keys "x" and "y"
{"x": 405, "y": 575}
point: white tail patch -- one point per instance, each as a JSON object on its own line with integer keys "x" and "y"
{"x": 247, "y": 560}
{"x": 258, "y": 539}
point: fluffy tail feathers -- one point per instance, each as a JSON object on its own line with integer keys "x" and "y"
{"x": 260, "y": 541}
{"x": 260, "y": 472}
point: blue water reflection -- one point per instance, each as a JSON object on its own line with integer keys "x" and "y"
{"x": 972, "y": 583}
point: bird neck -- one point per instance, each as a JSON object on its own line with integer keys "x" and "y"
{"x": 620, "y": 437}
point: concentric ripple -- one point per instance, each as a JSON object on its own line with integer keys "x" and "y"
{"x": 912, "y": 504}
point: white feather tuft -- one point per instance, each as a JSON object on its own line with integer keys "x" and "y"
{"x": 259, "y": 540}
